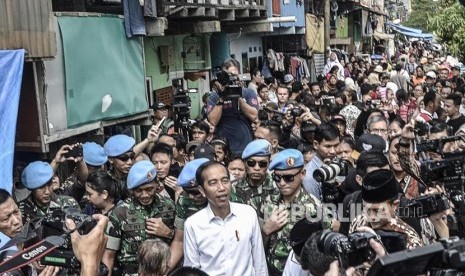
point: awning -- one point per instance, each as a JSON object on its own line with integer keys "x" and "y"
{"x": 411, "y": 32}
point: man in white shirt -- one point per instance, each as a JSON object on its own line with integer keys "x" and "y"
{"x": 224, "y": 238}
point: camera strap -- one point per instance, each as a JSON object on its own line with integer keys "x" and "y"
{"x": 25, "y": 235}
{"x": 31, "y": 254}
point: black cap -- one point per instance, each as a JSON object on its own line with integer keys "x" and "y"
{"x": 300, "y": 233}
{"x": 308, "y": 126}
{"x": 380, "y": 186}
{"x": 205, "y": 151}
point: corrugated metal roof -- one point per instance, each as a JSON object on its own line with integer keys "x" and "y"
{"x": 27, "y": 24}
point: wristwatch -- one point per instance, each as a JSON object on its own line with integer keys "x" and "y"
{"x": 220, "y": 103}
{"x": 171, "y": 235}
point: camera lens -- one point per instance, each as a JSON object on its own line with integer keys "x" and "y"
{"x": 329, "y": 241}
{"x": 327, "y": 172}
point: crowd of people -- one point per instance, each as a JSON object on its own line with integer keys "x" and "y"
{"x": 240, "y": 197}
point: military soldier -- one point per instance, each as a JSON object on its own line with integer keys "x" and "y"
{"x": 281, "y": 212}
{"x": 42, "y": 202}
{"x": 144, "y": 215}
{"x": 189, "y": 202}
{"x": 121, "y": 151}
{"x": 380, "y": 195}
{"x": 257, "y": 184}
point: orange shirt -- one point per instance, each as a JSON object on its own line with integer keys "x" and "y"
{"x": 417, "y": 80}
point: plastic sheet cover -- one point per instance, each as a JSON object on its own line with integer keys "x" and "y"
{"x": 11, "y": 74}
{"x": 104, "y": 70}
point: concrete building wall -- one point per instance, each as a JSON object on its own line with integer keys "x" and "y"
{"x": 247, "y": 49}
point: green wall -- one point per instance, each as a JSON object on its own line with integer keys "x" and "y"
{"x": 342, "y": 27}
{"x": 160, "y": 76}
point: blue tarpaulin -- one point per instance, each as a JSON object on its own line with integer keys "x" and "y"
{"x": 11, "y": 74}
{"x": 411, "y": 32}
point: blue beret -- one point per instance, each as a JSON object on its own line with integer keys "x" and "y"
{"x": 94, "y": 154}
{"x": 118, "y": 145}
{"x": 37, "y": 174}
{"x": 141, "y": 173}
{"x": 259, "y": 147}
{"x": 287, "y": 159}
{"x": 188, "y": 172}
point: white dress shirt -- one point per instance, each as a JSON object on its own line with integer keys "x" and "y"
{"x": 293, "y": 267}
{"x": 230, "y": 247}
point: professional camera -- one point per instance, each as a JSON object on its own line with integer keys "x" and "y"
{"x": 422, "y": 129}
{"x": 352, "y": 250}
{"x": 424, "y": 206}
{"x": 327, "y": 173}
{"x": 297, "y": 111}
{"x": 232, "y": 84}
{"x": 442, "y": 258}
{"x": 54, "y": 225}
{"x": 181, "y": 111}
{"x": 449, "y": 170}
{"x": 329, "y": 102}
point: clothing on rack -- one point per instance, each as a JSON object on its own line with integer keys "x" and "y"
{"x": 275, "y": 60}
{"x": 298, "y": 68}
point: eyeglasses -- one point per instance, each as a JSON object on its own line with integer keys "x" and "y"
{"x": 262, "y": 163}
{"x": 126, "y": 157}
{"x": 287, "y": 177}
{"x": 379, "y": 131}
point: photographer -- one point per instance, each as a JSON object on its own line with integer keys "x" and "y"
{"x": 88, "y": 157}
{"x": 89, "y": 248}
{"x": 232, "y": 116}
{"x": 376, "y": 246}
{"x": 326, "y": 141}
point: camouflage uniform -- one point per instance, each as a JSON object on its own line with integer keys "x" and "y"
{"x": 31, "y": 211}
{"x": 123, "y": 187}
{"x": 278, "y": 247}
{"x": 126, "y": 228}
{"x": 255, "y": 195}
{"x": 185, "y": 208}
{"x": 74, "y": 188}
{"x": 395, "y": 224}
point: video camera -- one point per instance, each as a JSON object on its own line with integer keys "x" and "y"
{"x": 351, "y": 250}
{"x": 449, "y": 170}
{"x": 232, "y": 84}
{"x": 446, "y": 257}
{"x": 181, "y": 111}
{"x": 54, "y": 225}
{"x": 424, "y": 206}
